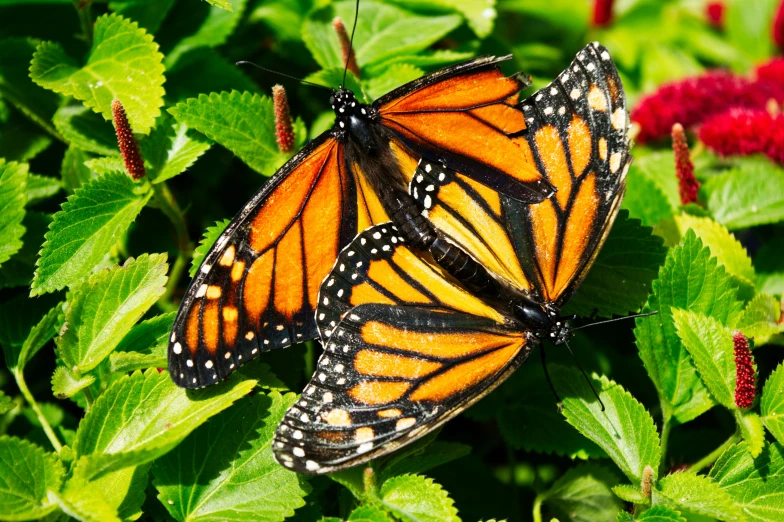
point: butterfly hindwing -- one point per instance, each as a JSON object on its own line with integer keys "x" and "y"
{"x": 406, "y": 349}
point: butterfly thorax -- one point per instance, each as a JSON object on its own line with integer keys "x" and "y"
{"x": 544, "y": 320}
{"x": 352, "y": 119}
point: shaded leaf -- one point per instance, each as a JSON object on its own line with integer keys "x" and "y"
{"x": 772, "y": 403}
{"x": 148, "y": 13}
{"x": 209, "y": 29}
{"x": 206, "y": 242}
{"x": 13, "y": 182}
{"x": 88, "y": 225}
{"x": 760, "y": 319}
{"x": 697, "y": 494}
{"x": 41, "y": 187}
{"x": 171, "y": 149}
{"x": 426, "y": 458}
{"x": 144, "y": 346}
{"x": 661, "y": 514}
{"x": 225, "y": 469}
{"x": 583, "y": 494}
{"x": 86, "y": 130}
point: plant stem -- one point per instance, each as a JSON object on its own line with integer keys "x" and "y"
{"x": 168, "y": 205}
{"x": 538, "y": 508}
{"x": 665, "y": 438}
{"x": 710, "y": 458}
{"x": 85, "y": 19}
{"x": 20, "y": 382}
{"x": 88, "y": 398}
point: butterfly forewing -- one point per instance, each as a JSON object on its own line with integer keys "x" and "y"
{"x": 576, "y": 138}
{"x": 406, "y": 348}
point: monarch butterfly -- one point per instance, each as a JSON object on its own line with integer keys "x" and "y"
{"x": 407, "y": 346}
{"x": 257, "y": 288}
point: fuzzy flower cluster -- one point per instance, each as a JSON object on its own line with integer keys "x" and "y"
{"x": 745, "y": 379}
{"x": 744, "y": 132}
{"x": 693, "y": 100}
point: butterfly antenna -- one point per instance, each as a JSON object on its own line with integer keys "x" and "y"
{"x": 351, "y": 43}
{"x": 616, "y": 319}
{"x": 547, "y": 376}
{"x": 585, "y": 375}
{"x": 282, "y": 74}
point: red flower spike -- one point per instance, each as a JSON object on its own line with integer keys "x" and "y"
{"x": 284, "y": 131}
{"x": 778, "y": 26}
{"x": 715, "y": 13}
{"x": 602, "y": 12}
{"x": 684, "y": 168}
{"x": 745, "y": 379}
{"x": 127, "y": 142}
{"x": 348, "y": 54}
{"x": 692, "y": 101}
{"x": 647, "y": 482}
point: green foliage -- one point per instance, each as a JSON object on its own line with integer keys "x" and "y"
{"x": 27, "y": 473}
{"x": 91, "y": 425}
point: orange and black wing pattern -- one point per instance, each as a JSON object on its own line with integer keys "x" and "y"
{"x": 406, "y": 348}
{"x": 576, "y": 137}
{"x": 464, "y": 116}
{"x": 257, "y": 288}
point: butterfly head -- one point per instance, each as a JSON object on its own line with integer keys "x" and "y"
{"x": 544, "y": 321}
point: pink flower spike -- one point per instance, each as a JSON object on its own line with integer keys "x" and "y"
{"x": 715, "y": 14}
{"x": 684, "y": 168}
{"x": 127, "y": 142}
{"x": 602, "y": 12}
{"x": 284, "y": 131}
{"x": 745, "y": 379}
{"x": 345, "y": 46}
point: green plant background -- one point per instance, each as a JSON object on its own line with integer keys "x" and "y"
{"x": 92, "y": 265}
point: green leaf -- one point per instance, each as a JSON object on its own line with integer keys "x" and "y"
{"x": 18, "y": 317}
{"x": 149, "y": 13}
{"x": 103, "y": 309}
{"x": 690, "y": 280}
{"x": 644, "y": 199}
{"x": 659, "y": 168}
{"x": 114, "y": 496}
{"x": 88, "y": 225}
{"x": 754, "y": 484}
{"x": 426, "y": 458}
{"x": 620, "y": 279}
{"x": 728, "y": 250}
{"x": 414, "y": 498}
{"x": 625, "y": 430}
{"x": 421, "y": 59}
{"x": 211, "y": 27}
{"x": 66, "y": 383}
{"x": 41, "y": 187}
{"x": 760, "y": 319}
{"x": 772, "y": 403}
{"x": 583, "y": 494}
{"x": 13, "y": 182}
{"x": 630, "y": 493}
{"x": 16, "y": 87}
{"x": 171, "y": 149}
{"x": 73, "y": 171}
{"x": 383, "y": 31}
{"x": 750, "y": 195}
{"x": 106, "y": 165}
{"x": 369, "y": 514}
{"x": 39, "y": 335}
{"x": 27, "y": 473}
{"x": 20, "y": 138}
{"x": 752, "y": 431}
{"x": 744, "y": 24}
{"x": 244, "y": 123}
{"x": 209, "y": 239}
{"x": 697, "y": 494}
{"x": 143, "y": 416}
{"x": 333, "y": 77}
{"x": 124, "y": 64}
{"x": 710, "y": 345}
{"x": 393, "y": 76}
{"x": 661, "y": 514}
{"x": 225, "y": 469}
{"x": 18, "y": 271}
{"x": 144, "y": 346}
{"x": 86, "y": 130}
{"x": 6, "y": 403}
{"x": 203, "y": 70}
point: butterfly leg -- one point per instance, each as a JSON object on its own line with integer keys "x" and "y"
{"x": 558, "y": 402}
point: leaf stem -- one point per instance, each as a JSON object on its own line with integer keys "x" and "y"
{"x": 166, "y": 302}
{"x": 20, "y": 382}
{"x": 711, "y": 457}
{"x": 665, "y": 439}
{"x": 538, "y": 508}
{"x": 88, "y": 398}
{"x": 85, "y": 19}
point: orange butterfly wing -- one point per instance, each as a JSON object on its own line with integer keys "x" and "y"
{"x": 257, "y": 288}
{"x": 406, "y": 349}
{"x": 464, "y": 116}
{"x": 576, "y": 137}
